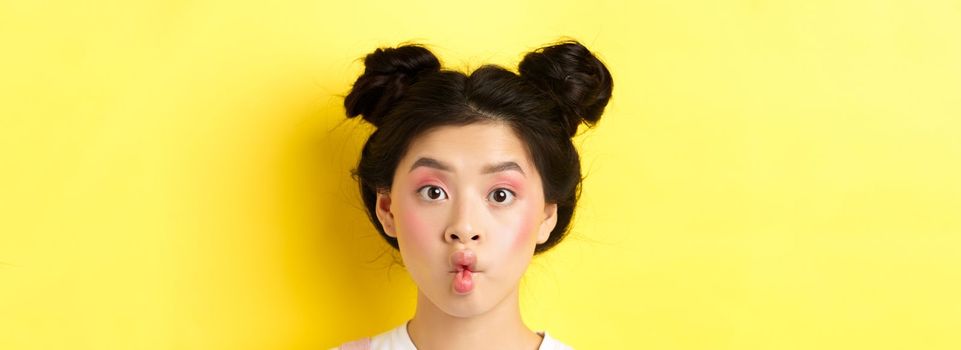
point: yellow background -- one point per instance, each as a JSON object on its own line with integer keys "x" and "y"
{"x": 768, "y": 175}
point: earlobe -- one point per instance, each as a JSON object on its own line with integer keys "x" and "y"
{"x": 384, "y": 215}
{"x": 550, "y": 221}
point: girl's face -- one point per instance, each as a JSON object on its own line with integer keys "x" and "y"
{"x": 464, "y": 191}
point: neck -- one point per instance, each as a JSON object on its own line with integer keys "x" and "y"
{"x": 498, "y": 328}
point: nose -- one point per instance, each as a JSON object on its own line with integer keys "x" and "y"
{"x": 462, "y": 228}
{"x": 453, "y": 237}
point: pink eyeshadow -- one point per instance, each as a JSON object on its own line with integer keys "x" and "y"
{"x": 421, "y": 181}
{"x": 422, "y": 177}
{"x": 516, "y": 185}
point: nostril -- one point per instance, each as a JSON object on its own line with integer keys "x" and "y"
{"x": 453, "y": 236}
{"x": 475, "y": 237}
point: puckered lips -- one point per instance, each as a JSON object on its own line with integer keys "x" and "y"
{"x": 463, "y": 265}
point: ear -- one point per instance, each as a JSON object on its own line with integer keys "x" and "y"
{"x": 384, "y": 215}
{"x": 550, "y": 220}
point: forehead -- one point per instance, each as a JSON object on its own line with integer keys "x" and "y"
{"x": 468, "y": 146}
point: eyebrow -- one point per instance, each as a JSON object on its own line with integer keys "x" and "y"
{"x": 489, "y": 169}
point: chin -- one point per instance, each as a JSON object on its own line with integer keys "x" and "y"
{"x": 459, "y": 306}
{"x": 464, "y": 306}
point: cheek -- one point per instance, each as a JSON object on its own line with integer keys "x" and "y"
{"x": 415, "y": 223}
{"x": 527, "y": 228}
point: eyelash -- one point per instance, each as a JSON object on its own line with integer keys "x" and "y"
{"x": 423, "y": 195}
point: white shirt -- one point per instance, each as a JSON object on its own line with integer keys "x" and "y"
{"x": 398, "y": 339}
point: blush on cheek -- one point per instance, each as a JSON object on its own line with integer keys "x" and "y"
{"x": 412, "y": 222}
{"x": 415, "y": 222}
{"x": 522, "y": 239}
{"x": 526, "y": 228}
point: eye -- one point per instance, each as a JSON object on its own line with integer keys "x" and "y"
{"x": 502, "y": 196}
{"x": 432, "y": 193}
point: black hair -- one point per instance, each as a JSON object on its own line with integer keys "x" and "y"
{"x": 404, "y": 92}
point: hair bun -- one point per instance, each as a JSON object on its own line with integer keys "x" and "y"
{"x": 573, "y": 77}
{"x": 387, "y": 74}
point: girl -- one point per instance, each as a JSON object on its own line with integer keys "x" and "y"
{"x": 470, "y": 176}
